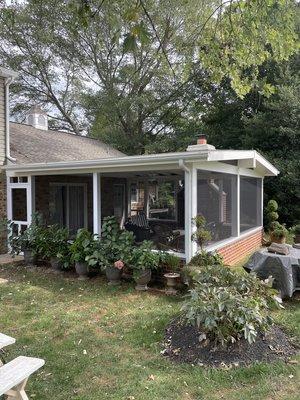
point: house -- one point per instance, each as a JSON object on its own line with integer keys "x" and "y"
{"x": 77, "y": 181}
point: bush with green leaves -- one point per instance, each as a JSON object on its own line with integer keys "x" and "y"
{"x": 144, "y": 258}
{"x": 201, "y": 235}
{"x": 114, "y": 245}
{"x": 52, "y": 241}
{"x": 170, "y": 261}
{"x": 226, "y": 306}
{"x": 29, "y": 239}
{"x": 279, "y": 232}
{"x": 81, "y": 246}
{"x": 271, "y": 213}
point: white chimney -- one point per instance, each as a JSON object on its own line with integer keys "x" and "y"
{"x": 201, "y": 145}
{"x": 37, "y": 118}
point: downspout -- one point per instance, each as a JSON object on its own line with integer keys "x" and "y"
{"x": 8, "y": 81}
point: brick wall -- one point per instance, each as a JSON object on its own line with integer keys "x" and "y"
{"x": 235, "y": 252}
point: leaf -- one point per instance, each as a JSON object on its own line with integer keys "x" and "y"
{"x": 129, "y": 44}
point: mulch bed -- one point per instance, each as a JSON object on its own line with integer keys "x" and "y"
{"x": 182, "y": 345}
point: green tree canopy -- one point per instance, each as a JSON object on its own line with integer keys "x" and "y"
{"x": 127, "y": 69}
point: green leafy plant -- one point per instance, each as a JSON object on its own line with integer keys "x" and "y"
{"x": 82, "y": 245}
{"x": 143, "y": 258}
{"x": 204, "y": 258}
{"x": 279, "y": 232}
{"x": 170, "y": 261}
{"x": 29, "y": 239}
{"x": 115, "y": 245}
{"x": 201, "y": 236}
{"x": 51, "y": 241}
{"x": 272, "y": 214}
{"x": 226, "y": 307}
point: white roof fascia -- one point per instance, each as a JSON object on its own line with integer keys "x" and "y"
{"x": 8, "y": 73}
{"x": 152, "y": 160}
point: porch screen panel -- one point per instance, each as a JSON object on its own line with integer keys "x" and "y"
{"x": 216, "y": 196}
{"x": 162, "y": 200}
{"x": 250, "y": 203}
{"x": 76, "y": 208}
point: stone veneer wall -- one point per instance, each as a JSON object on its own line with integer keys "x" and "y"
{"x": 235, "y": 252}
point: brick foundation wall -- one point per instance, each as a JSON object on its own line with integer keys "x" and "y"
{"x": 235, "y": 252}
{"x": 3, "y": 216}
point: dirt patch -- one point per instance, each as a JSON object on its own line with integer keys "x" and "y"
{"x": 182, "y": 345}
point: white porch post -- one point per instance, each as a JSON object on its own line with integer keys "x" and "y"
{"x": 30, "y": 195}
{"x": 238, "y": 204}
{"x": 187, "y": 214}
{"x": 96, "y": 203}
{"x": 194, "y": 206}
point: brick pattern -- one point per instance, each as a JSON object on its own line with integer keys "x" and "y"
{"x": 235, "y": 252}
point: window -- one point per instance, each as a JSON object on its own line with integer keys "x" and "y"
{"x": 19, "y": 204}
{"x": 250, "y": 203}
{"x": 68, "y": 206}
{"x": 216, "y": 196}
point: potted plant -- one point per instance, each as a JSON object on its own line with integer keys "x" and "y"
{"x": 201, "y": 236}
{"x": 26, "y": 241}
{"x": 114, "y": 250}
{"x": 279, "y": 234}
{"x": 144, "y": 260}
{"x": 80, "y": 249}
{"x": 51, "y": 243}
{"x": 172, "y": 263}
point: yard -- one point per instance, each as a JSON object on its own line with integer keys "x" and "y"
{"x": 101, "y": 342}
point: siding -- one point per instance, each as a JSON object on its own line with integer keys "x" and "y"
{"x": 2, "y": 122}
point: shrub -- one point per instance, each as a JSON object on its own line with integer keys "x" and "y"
{"x": 52, "y": 241}
{"x": 271, "y": 214}
{"x": 170, "y": 261}
{"x": 204, "y": 258}
{"x": 225, "y": 306}
{"x": 279, "y": 232}
{"x": 144, "y": 258}
{"x": 115, "y": 245}
{"x": 81, "y": 246}
{"x": 201, "y": 236}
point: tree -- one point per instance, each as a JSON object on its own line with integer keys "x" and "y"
{"x": 134, "y": 63}
{"x": 269, "y": 125}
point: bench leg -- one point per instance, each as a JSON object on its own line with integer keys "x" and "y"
{"x": 18, "y": 392}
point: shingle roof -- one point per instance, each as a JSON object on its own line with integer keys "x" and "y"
{"x": 31, "y": 145}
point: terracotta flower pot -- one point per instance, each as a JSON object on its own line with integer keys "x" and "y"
{"x": 113, "y": 275}
{"x": 82, "y": 270}
{"x": 142, "y": 280}
{"x": 56, "y": 265}
{"x": 29, "y": 257}
{"x": 171, "y": 282}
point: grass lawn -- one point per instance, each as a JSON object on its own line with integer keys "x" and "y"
{"x": 101, "y": 342}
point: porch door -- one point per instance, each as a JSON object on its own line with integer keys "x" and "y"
{"x": 119, "y": 203}
{"x": 68, "y": 206}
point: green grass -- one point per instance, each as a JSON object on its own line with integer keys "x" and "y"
{"x": 101, "y": 342}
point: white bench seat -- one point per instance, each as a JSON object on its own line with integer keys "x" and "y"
{"x": 6, "y": 340}
{"x": 14, "y": 375}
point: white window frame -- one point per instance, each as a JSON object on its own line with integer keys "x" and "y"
{"x": 68, "y": 185}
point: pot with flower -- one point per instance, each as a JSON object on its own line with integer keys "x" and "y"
{"x": 172, "y": 264}
{"x": 115, "y": 250}
{"x": 80, "y": 250}
{"x": 296, "y": 232}
{"x": 144, "y": 260}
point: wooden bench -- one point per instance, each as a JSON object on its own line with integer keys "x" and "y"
{"x": 14, "y": 376}
{"x": 6, "y": 340}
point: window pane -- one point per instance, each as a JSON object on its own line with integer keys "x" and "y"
{"x": 57, "y": 205}
{"x": 162, "y": 200}
{"x": 19, "y": 205}
{"x": 76, "y": 208}
{"x": 216, "y": 194}
{"x": 250, "y": 200}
